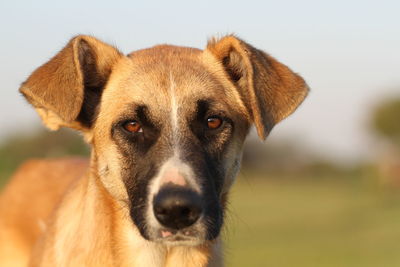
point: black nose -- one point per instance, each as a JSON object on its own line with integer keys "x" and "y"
{"x": 177, "y": 207}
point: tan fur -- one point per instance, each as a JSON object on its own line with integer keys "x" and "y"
{"x": 71, "y": 212}
{"x": 27, "y": 202}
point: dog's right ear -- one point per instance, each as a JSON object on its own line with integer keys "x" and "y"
{"x": 269, "y": 89}
{"x": 67, "y": 89}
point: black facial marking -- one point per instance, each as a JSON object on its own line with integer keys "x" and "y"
{"x": 141, "y": 155}
{"x": 137, "y": 187}
{"x": 204, "y": 151}
{"x": 209, "y": 175}
{"x": 198, "y": 124}
{"x": 215, "y": 141}
{"x": 139, "y": 142}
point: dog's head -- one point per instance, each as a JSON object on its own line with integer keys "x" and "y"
{"x": 166, "y": 124}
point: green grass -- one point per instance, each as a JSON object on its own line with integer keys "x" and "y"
{"x": 312, "y": 222}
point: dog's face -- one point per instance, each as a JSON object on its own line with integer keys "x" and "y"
{"x": 175, "y": 134}
{"x": 167, "y": 124}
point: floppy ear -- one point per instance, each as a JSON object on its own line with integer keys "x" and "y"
{"x": 269, "y": 89}
{"x": 66, "y": 90}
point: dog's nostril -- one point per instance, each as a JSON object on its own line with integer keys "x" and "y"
{"x": 177, "y": 207}
{"x": 185, "y": 212}
{"x": 161, "y": 211}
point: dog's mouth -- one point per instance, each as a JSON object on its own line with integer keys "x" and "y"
{"x": 185, "y": 237}
{"x": 207, "y": 228}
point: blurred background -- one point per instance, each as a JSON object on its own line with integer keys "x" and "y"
{"x": 324, "y": 189}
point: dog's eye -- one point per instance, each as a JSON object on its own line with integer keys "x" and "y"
{"x": 214, "y": 122}
{"x": 132, "y": 127}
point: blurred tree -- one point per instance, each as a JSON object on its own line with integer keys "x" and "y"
{"x": 386, "y": 124}
{"x": 386, "y": 120}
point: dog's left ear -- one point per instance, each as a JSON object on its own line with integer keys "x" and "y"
{"x": 66, "y": 90}
{"x": 270, "y": 90}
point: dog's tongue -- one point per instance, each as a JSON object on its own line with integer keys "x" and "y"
{"x": 166, "y": 233}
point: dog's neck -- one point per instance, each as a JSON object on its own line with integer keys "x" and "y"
{"x": 114, "y": 226}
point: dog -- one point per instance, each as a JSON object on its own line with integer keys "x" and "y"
{"x": 166, "y": 126}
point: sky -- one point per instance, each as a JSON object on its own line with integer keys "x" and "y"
{"x": 347, "y": 51}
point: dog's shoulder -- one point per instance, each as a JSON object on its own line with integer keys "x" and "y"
{"x": 30, "y": 197}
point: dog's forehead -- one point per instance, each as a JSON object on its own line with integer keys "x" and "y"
{"x": 161, "y": 76}
{"x": 166, "y": 66}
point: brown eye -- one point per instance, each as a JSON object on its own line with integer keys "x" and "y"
{"x": 214, "y": 122}
{"x": 133, "y": 127}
